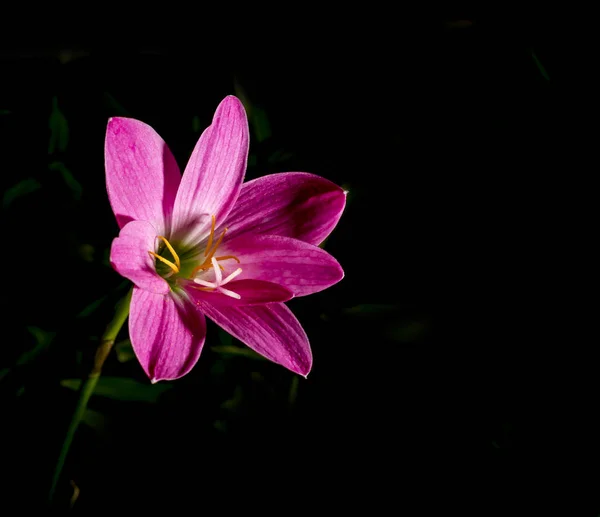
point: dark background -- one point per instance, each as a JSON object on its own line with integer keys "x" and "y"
{"x": 443, "y": 129}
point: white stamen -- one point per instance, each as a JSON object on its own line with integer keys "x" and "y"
{"x": 228, "y": 293}
{"x": 232, "y": 276}
{"x": 218, "y": 275}
{"x": 205, "y": 283}
{"x": 220, "y": 281}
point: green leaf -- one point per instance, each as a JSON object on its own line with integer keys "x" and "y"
{"x": 280, "y": 155}
{"x": 293, "y": 395}
{"x": 59, "y": 129}
{"x": 5, "y": 112}
{"x": 237, "y": 350}
{"x": 122, "y": 388}
{"x": 260, "y": 124}
{"x": 234, "y": 402}
{"x": 43, "y": 340}
{"x": 196, "y": 128}
{"x": 539, "y": 65}
{"x": 124, "y": 351}
{"x": 94, "y": 419}
{"x": 89, "y": 309}
{"x": 371, "y": 308}
{"x": 74, "y": 186}
{"x": 115, "y": 106}
{"x": 256, "y": 115}
{"x": 406, "y": 332}
{"x": 27, "y": 186}
{"x": 225, "y": 338}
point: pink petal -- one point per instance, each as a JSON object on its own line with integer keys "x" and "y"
{"x": 167, "y": 334}
{"x": 252, "y": 292}
{"x": 141, "y": 174}
{"x": 291, "y": 204}
{"x": 130, "y": 258}
{"x": 301, "y": 267}
{"x": 270, "y": 330}
{"x": 214, "y": 174}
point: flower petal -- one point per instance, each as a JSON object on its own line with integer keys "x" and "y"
{"x": 292, "y": 204}
{"x": 301, "y": 267}
{"x": 251, "y": 292}
{"x": 214, "y": 174}
{"x": 130, "y": 258}
{"x": 167, "y": 334}
{"x": 142, "y": 176}
{"x": 270, "y": 330}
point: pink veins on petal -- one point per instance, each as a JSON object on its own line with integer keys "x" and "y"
{"x": 205, "y": 244}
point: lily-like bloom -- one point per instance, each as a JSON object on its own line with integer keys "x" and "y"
{"x": 204, "y": 244}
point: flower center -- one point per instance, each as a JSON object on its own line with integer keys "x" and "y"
{"x": 174, "y": 266}
{"x": 210, "y": 251}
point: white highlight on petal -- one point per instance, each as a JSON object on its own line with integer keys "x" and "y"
{"x": 219, "y": 282}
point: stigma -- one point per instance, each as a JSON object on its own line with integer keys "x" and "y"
{"x": 219, "y": 281}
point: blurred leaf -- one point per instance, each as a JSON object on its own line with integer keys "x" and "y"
{"x": 237, "y": 350}
{"x": 106, "y": 258}
{"x": 43, "y": 340}
{"x": 458, "y": 24}
{"x": 72, "y": 183}
{"x": 196, "y": 128}
{"x": 281, "y": 155}
{"x": 220, "y": 425}
{"x": 367, "y": 309}
{"x": 86, "y": 252}
{"x": 260, "y": 124}
{"x": 293, "y": 390}
{"x": 27, "y": 186}
{"x": 89, "y": 309}
{"x": 75, "y": 495}
{"x": 5, "y": 112}
{"x": 94, "y": 419}
{"x": 124, "y": 351}
{"x": 225, "y": 338}
{"x": 218, "y": 368}
{"x": 539, "y": 65}
{"x": 233, "y": 403}
{"x": 256, "y": 115}
{"x": 406, "y": 332}
{"x": 115, "y": 106}
{"x": 59, "y": 129}
{"x": 122, "y": 388}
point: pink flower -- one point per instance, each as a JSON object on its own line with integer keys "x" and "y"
{"x": 203, "y": 244}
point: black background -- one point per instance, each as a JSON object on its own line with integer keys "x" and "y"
{"x": 434, "y": 384}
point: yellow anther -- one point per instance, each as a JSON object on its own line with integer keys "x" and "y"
{"x": 165, "y": 261}
{"x": 168, "y": 244}
{"x": 212, "y": 234}
{"x": 211, "y": 250}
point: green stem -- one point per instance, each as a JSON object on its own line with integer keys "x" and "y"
{"x": 89, "y": 383}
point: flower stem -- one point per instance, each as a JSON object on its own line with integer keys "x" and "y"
{"x": 89, "y": 383}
